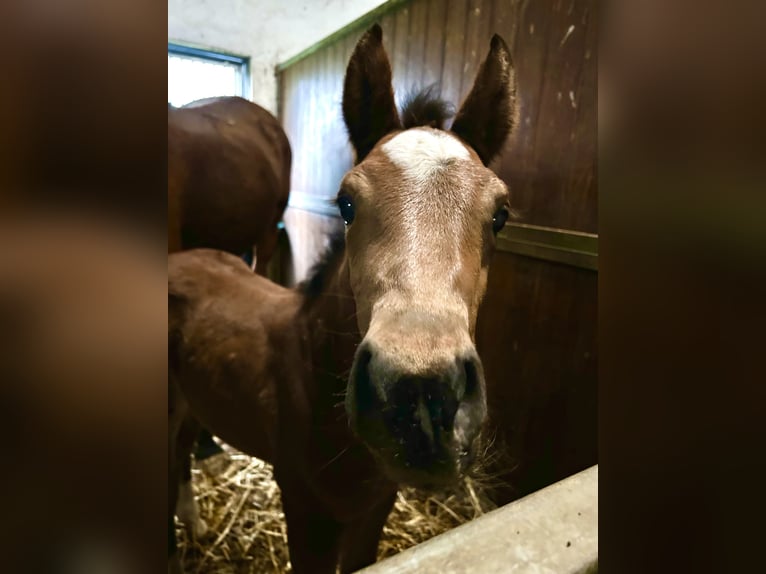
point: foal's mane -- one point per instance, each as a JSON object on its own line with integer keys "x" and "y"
{"x": 321, "y": 272}
{"x": 425, "y": 108}
{"x": 420, "y": 108}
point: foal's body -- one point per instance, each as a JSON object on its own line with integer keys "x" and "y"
{"x": 269, "y": 379}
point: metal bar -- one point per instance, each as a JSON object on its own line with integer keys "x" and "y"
{"x": 206, "y": 54}
{"x": 357, "y": 25}
{"x": 574, "y": 248}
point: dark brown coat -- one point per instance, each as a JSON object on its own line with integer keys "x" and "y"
{"x": 228, "y": 177}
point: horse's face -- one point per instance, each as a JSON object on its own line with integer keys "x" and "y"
{"x": 422, "y": 211}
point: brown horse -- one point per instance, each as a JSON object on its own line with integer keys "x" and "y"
{"x": 366, "y": 377}
{"x": 228, "y": 177}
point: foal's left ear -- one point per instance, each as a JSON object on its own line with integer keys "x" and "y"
{"x": 489, "y": 112}
{"x": 369, "y": 109}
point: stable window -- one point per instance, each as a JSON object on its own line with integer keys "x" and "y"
{"x": 194, "y": 73}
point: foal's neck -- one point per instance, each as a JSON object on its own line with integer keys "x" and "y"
{"x": 336, "y": 457}
{"x": 333, "y": 330}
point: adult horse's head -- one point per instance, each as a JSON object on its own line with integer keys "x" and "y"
{"x": 422, "y": 210}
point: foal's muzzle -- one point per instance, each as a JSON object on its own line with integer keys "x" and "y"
{"x": 421, "y": 418}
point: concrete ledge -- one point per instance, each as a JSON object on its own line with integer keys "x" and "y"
{"x": 553, "y": 531}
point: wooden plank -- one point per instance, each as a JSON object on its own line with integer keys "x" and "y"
{"x": 388, "y": 24}
{"x": 324, "y": 125}
{"x": 518, "y": 164}
{"x": 307, "y": 92}
{"x": 551, "y": 164}
{"x": 433, "y": 60}
{"x": 505, "y": 19}
{"x": 398, "y": 53}
{"x": 390, "y": 31}
{"x": 416, "y": 45}
{"x": 344, "y": 151}
{"x": 336, "y": 140}
{"x": 454, "y": 47}
{"x": 298, "y": 177}
{"x": 536, "y": 335}
{"x": 558, "y": 245}
{"x": 310, "y": 104}
{"x": 473, "y": 50}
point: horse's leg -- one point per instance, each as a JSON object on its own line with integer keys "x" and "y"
{"x": 313, "y": 537}
{"x": 174, "y": 561}
{"x": 187, "y": 509}
{"x": 181, "y": 498}
{"x": 359, "y": 546}
{"x": 174, "y": 474}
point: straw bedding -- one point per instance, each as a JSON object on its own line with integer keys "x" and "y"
{"x": 240, "y": 501}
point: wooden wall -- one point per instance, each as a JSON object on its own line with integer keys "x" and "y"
{"x": 537, "y": 328}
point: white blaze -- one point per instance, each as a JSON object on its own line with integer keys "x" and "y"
{"x": 418, "y": 152}
{"x": 430, "y": 223}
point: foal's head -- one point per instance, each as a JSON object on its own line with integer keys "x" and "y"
{"x": 421, "y": 211}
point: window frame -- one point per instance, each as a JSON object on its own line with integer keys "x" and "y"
{"x": 216, "y": 56}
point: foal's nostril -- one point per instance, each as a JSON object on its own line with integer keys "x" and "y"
{"x": 366, "y": 398}
{"x": 471, "y": 380}
{"x": 448, "y": 411}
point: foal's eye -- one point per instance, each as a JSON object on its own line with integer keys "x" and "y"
{"x": 346, "y": 208}
{"x": 499, "y": 219}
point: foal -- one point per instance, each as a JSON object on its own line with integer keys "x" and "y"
{"x": 366, "y": 377}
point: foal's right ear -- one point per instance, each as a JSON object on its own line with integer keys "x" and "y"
{"x": 490, "y": 110}
{"x": 369, "y": 109}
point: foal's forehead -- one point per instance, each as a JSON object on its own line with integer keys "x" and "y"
{"x": 418, "y": 152}
{"x": 424, "y": 160}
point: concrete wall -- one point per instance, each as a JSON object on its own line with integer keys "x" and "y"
{"x": 267, "y": 31}
{"x": 552, "y": 531}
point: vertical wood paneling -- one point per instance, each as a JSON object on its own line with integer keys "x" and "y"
{"x": 327, "y": 121}
{"x": 336, "y": 143}
{"x": 433, "y": 59}
{"x": 536, "y": 335}
{"x": 296, "y": 114}
{"x": 397, "y": 52}
{"x": 311, "y": 161}
{"x": 549, "y": 164}
{"x": 416, "y": 47}
{"x": 308, "y": 233}
{"x": 505, "y": 16}
{"x": 476, "y": 42}
{"x": 454, "y": 46}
